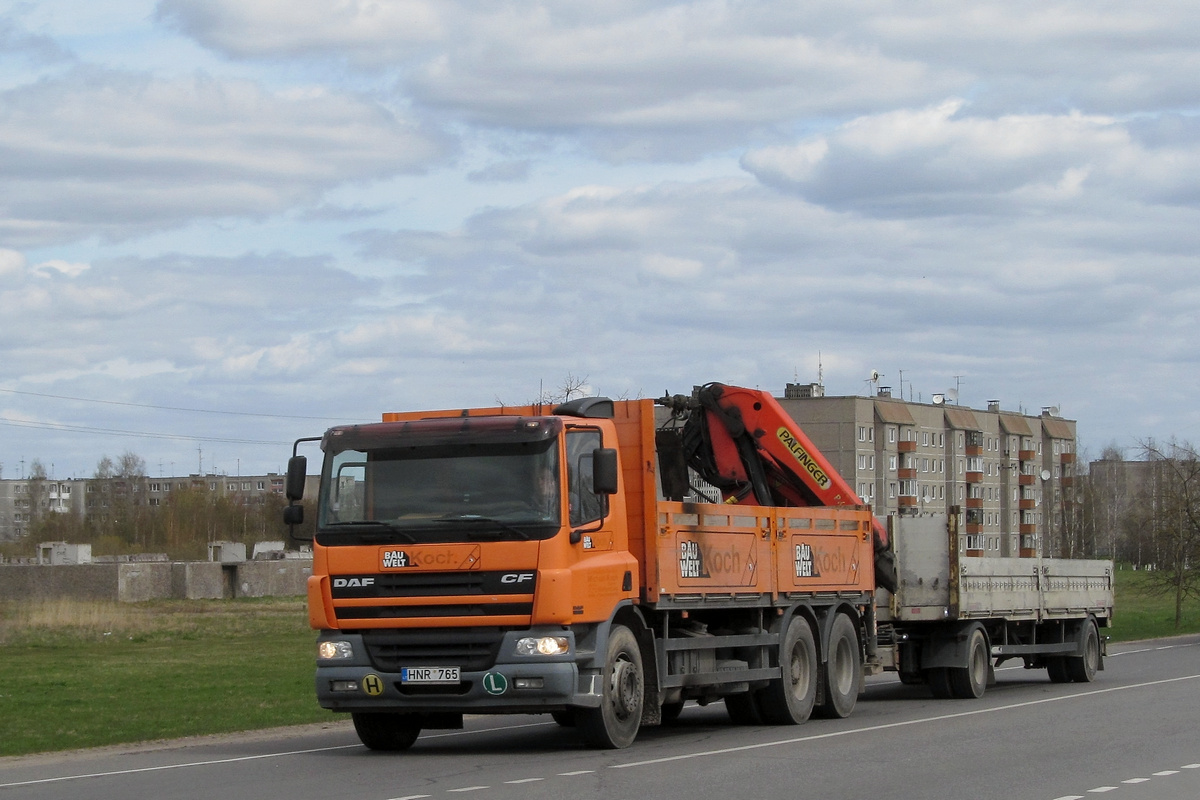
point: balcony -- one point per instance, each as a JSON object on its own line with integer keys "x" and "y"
{"x": 974, "y": 527}
{"x": 1027, "y": 455}
{"x": 1027, "y": 505}
{"x": 1068, "y": 458}
{"x": 1068, "y": 481}
{"x": 906, "y": 446}
{"x": 974, "y": 502}
{"x": 1026, "y": 480}
{"x": 907, "y": 501}
{"x": 974, "y": 450}
{"x": 974, "y": 477}
{"x": 1028, "y": 529}
{"x": 908, "y": 473}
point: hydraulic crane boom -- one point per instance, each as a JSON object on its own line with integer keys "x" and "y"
{"x": 743, "y": 442}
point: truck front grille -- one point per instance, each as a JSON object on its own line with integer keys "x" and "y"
{"x": 472, "y": 649}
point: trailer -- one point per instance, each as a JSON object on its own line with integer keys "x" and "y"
{"x": 953, "y": 618}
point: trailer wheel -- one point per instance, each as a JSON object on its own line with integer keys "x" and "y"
{"x": 843, "y": 670}
{"x": 938, "y": 679}
{"x": 1056, "y": 668}
{"x": 383, "y": 731}
{"x": 615, "y": 723}
{"x": 1082, "y": 669}
{"x": 565, "y": 719}
{"x": 743, "y": 709}
{"x": 971, "y": 681}
{"x": 788, "y": 700}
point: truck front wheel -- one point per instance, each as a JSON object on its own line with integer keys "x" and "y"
{"x": 615, "y": 723}
{"x": 382, "y": 731}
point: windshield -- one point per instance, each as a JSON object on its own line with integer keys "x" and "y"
{"x": 442, "y": 492}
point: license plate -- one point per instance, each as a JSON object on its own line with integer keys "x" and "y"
{"x": 429, "y": 675}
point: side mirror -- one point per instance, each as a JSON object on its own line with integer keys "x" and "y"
{"x": 293, "y": 515}
{"x": 605, "y": 470}
{"x": 297, "y": 472}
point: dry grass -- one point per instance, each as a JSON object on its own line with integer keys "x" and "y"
{"x": 63, "y": 620}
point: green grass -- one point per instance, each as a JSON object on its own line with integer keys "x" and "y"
{"x": 1141, "y": 613}
{"x": 89, "y": 674}
{"x": 152, "y": 671}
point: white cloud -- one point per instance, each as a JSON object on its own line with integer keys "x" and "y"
{"x": 115, "y": 154}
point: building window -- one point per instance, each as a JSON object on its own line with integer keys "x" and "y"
{"x": 892, "y": 463}
{"x": 891, "y": 435}
{"x": 862, "y": 433}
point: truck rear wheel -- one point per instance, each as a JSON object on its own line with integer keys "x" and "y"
{"x": 971, "y": 681}
{"x": 615, "y": 723}
{"x": 788, "y": 700}
{"x": 843, "y": 670}
{"x": 1056, "y": 668}
{"x": 1082, "y": 669}
{"x": 383, "y": 731}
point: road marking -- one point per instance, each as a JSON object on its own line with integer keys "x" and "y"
{"x": 1136, "y": 780}
{"x": 469, "y": 789}
{"x": 576, "y": 772}
{"x": 1166, "y": 772}
{"x": 237, "y": 759}
{"x": 894, "y": 725}
{"x": 1070, "y": 797}
{"x": 1191, "y": 766}
{"x": 527, "y": 780}
{"x": 413, "y": 797}
{"x": 1102, "y": 789}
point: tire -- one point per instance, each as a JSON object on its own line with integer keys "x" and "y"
{"x": 938, "y": 679}
{"x": 1082, "y": 669}
{"x": 564, "y": 718}
{"x": 743, "y": 709}
{"x": 843, "y": 670}
{"x": 615, "y": 723}
{"x": 970, "y": 682}
{"x": 670, "y": 712}
{"x": 388, "y": 732}
{"x": 1056, "y": 668}
{"x": 789, "y": 699}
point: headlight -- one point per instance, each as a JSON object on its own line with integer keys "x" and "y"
{"x": 328, "y": 651}
{"x": 543, "y": 646}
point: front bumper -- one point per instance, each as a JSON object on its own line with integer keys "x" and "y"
{"x": 511, "y": 684}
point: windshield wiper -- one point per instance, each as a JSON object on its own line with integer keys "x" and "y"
{"x": 480, "y": 518}
{"x": 371, "y": 526}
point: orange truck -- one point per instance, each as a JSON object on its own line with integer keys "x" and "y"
{"x": 600, "y": 561}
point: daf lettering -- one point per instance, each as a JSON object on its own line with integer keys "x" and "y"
{"x": 352, "y": 583}
{"x": 516, "y": 577}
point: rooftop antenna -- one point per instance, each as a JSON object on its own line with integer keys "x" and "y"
{"x": 957, "y": 387}
{"x": 820, "y": 370}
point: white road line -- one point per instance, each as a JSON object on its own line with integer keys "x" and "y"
{"x": 1136, "y": 780}
{"x": 413, "y": 797}
{"x": 576, "y": 772}
{"x": 1070, "y": 797}
{"x": 469, "y": 789}
{"x": 1102, "y": 789}
{"x": 893, "y": 725}
{"x": 1166, "y": 772}
{"x": 527, "y": 780}
{"x": 1191, "y": 766}
{"x": 237, "y": 759}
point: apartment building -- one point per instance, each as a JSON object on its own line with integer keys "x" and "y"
{"x": 1006, "y": 474}
{"x": 21, "y": 499}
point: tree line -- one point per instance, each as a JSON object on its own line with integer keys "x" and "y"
{"x": 119, "y": 519}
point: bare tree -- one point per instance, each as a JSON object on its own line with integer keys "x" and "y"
{"x": 1175, "y": 520}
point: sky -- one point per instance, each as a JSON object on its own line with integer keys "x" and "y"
{"x": 227, "y": 224}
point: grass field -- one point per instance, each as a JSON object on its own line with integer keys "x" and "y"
{"x": 89, "y": 674}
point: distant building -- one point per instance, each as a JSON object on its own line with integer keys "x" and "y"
{"x": 1009, "y": 474}
{"x": 21, "y": 499}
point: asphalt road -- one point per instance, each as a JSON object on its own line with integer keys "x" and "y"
{"x": 1131, "y": 735}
